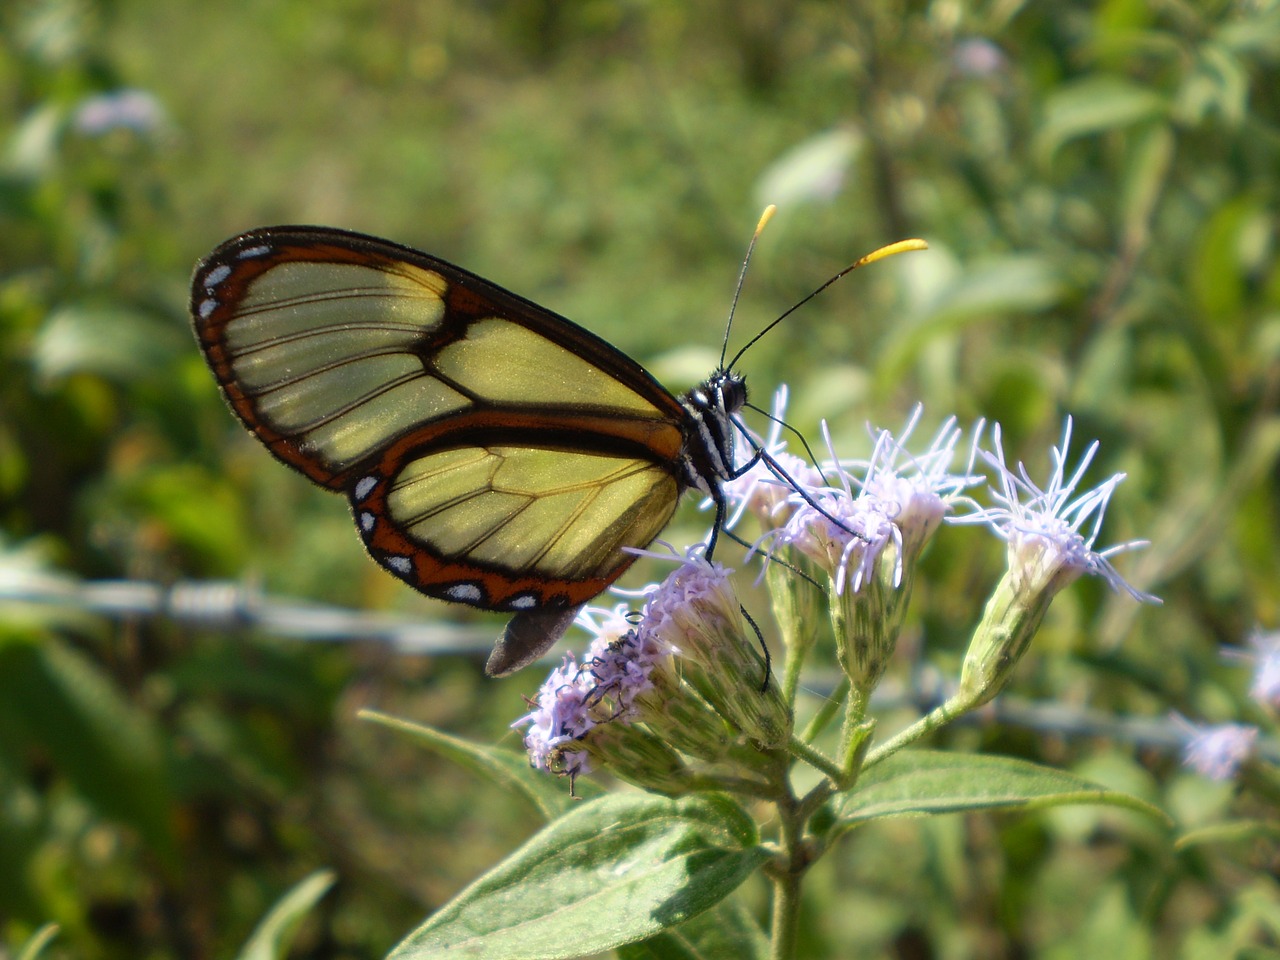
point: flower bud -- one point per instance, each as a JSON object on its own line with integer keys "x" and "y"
{"x": 696, "y": 612}
{"x": 1011, "y": 618}
{"x": 1046, "y": 552}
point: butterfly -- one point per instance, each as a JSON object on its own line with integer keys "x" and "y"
{"x": 493, "y": 452}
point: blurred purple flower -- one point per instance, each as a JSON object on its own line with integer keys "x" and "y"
{"x": 135, "y": 110}
{"x": 1216, "y": 751}
{"x": 1266, "y": 672}
{"x": 978, "y": 57}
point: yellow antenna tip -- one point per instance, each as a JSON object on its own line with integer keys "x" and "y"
{"x": 902, "y": 246}
{"x": 765, "y": 217}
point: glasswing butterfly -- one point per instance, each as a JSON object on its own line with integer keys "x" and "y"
{"x": 493, "y": 452}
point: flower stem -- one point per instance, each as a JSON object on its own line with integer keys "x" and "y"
{"x": 826, "y": 712}
{"x": 786, "y": 878}
{"x": 852, "y": 735}
{"x": 939, "y": 717}
{"x": 816, "y": 759}
{"x": 786, "y": 915}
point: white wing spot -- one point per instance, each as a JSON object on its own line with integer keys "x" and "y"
{"x": 207, "y": 306}
{"x": 365, "y": 487}
{"x": 216, "y": 276}
{"x": 248, "y": 253}
{"x": 526, "y": 601}
{"x": 367, "y": 521}
{"x": 465, "y": 593}
{"x": 401, "y": 565}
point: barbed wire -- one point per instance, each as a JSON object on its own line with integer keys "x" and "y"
{"x": 228, "y": 604}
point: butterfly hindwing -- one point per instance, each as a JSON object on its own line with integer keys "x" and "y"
{"x": 510, "y": 521}
{"x": 494, "y": 453}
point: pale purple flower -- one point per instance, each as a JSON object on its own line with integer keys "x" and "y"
{"x": 844, "y": 534}
{"x": 698, "y": 582}
{"x": 1051, "y": 532}
{"x": 978, "y": 57}
{"x": 1216, "y": 751}
{"x": 621, "y": 658}
{"x": 1266, "y": 676}
{"x": 760, "y": 489}
{"x": 901, "y": 498}
{"x": 561, "y": 715}
{"x": 577, "y": 698}
{"x": 1266, "y": 668}
{"x": 134, "y": 110}
{"x": 922, "y": 485}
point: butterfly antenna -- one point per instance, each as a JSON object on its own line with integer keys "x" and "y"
{"x": 888, "y": 251}
{"x": 742, "y": 277}
{"x": 804, "y": 442}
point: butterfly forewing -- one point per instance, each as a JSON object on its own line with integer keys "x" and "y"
{"x": 494, "y": 453}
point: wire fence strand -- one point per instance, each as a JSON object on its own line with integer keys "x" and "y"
{"x": 215, "y": 605}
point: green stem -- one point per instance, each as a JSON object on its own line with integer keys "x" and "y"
{"x": 938, "y": 717}
{"x": 786, "y": 915}
{"x": 786, "y": 879}
{"x": 816, "y": 759}
{"x": 826, "y": 713}
{"x": 850, "y": 736}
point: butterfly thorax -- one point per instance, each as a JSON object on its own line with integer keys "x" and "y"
{"x": 708, "y": 455}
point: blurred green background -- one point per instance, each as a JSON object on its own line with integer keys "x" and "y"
{"x": 1098, "y": 184}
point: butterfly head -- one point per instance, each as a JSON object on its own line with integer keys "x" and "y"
{"x": 722, "y": 394}
{"x": 709, "y": 449}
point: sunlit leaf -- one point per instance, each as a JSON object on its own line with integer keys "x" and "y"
{"x": 612, "y": 871}
{"x": 812, "y": 170}
{"x": 39, "y": 940}
{"x": 1092, "y": 105}
{"x": 726, "y": 930}
{"x": 272, "y": 937}
{"x": 505, "y": 768}
{"x": 109, "y": 341}
{"x": 920, "y": 782}
{"x": 980, "y": 294}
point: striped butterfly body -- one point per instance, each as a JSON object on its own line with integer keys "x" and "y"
{"x": 493, "y": 452}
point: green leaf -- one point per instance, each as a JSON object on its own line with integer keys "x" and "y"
{"x": 921, "y": 782}
{"x": 1232, "y": 831}
{"x": 812, "y": 170}
{"x": 52, "y": 695}
{"x": 506, "y": 768}
{"x": 272, "y": 937}
{"x": 1150, "y": 156}
{"x": 1111, "y": 929}
{"x": 960, "y": 296}
{"x": 109, "y": 340}
{"x": 39, "y": 940}
{"x": 1218, "y": 83}
{"x": 726, "y": 930}
{"x": 1094, "y": 105}
{"x": 612, "y": 871}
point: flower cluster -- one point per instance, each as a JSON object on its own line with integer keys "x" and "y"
{"x": 686, "y": 680}
{"x": 656, "y": 690}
